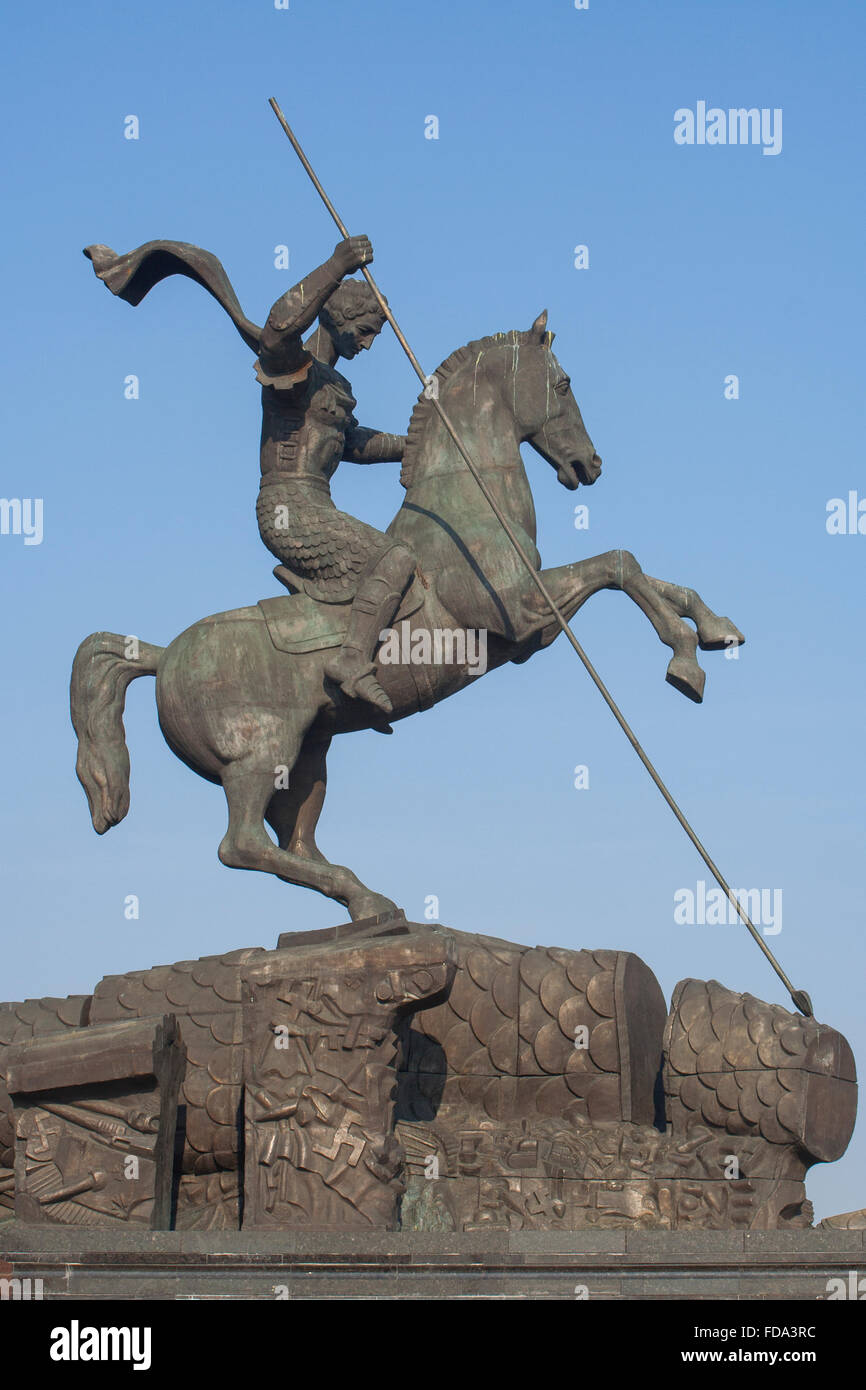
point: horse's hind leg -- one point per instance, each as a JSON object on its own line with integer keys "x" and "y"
{"x": 294, "y": 811}
{"x": 714, "y": 633}
{"x": 249, "y": 788}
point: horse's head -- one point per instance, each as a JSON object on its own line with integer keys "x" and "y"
{"x": 506, "y": 389}
{"x": 548, "y": 414}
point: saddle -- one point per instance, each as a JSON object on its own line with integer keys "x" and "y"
{"x": 298, "y": 623}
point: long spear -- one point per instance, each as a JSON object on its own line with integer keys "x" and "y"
{"x": 799, "y": 997}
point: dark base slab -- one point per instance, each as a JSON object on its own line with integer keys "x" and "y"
{"x": 609, "y": 1264}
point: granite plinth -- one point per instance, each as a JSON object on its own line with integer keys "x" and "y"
{"x": 607, "y": 1264}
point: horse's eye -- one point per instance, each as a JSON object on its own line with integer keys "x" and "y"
{"x": 562, "y": 386}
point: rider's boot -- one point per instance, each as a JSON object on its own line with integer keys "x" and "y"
{"x": 375, "y": 604}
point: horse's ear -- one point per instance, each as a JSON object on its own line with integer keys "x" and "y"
{"x": 539, "y": 328}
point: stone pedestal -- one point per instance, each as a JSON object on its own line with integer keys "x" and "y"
{"x": 585, "y": 1265}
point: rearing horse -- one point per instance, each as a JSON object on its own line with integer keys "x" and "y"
{"x": 242, "y": 696}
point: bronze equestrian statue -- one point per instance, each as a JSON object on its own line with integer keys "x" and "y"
{"x": 299, "y": 666}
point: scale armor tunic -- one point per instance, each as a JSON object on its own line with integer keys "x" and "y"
{"x": 307, "y": 428}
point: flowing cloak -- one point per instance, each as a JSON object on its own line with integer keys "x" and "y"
{"x": 130, "y": 277}
{"x": 325, "y": 550}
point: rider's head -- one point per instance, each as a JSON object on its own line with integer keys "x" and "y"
{"x": 351, "y": 317}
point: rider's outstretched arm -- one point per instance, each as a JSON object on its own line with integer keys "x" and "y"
{"x": 372, "y": 446}
{"x": 281, "y": 349}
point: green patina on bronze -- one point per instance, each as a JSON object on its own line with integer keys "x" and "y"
{"x": 251, "y": 699}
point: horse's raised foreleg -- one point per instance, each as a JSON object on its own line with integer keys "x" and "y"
{"x": 571, "y": 585}
{"x": 714, "y": 633}
{"x": 249, "y": 785}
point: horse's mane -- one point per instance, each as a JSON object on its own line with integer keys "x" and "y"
{"x": 424, "y": 407}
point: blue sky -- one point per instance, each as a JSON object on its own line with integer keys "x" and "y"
{"x": 555, "y": 129}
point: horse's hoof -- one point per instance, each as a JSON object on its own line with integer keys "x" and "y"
{"x": 686, "y": 676}
{"x": 719, "y": 634}
{"x": 373, "y": 905}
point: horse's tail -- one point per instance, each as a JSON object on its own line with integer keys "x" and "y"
{"x": 104, "y": 665}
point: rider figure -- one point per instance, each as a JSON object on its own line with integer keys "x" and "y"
{"x": 307, "y": 429}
